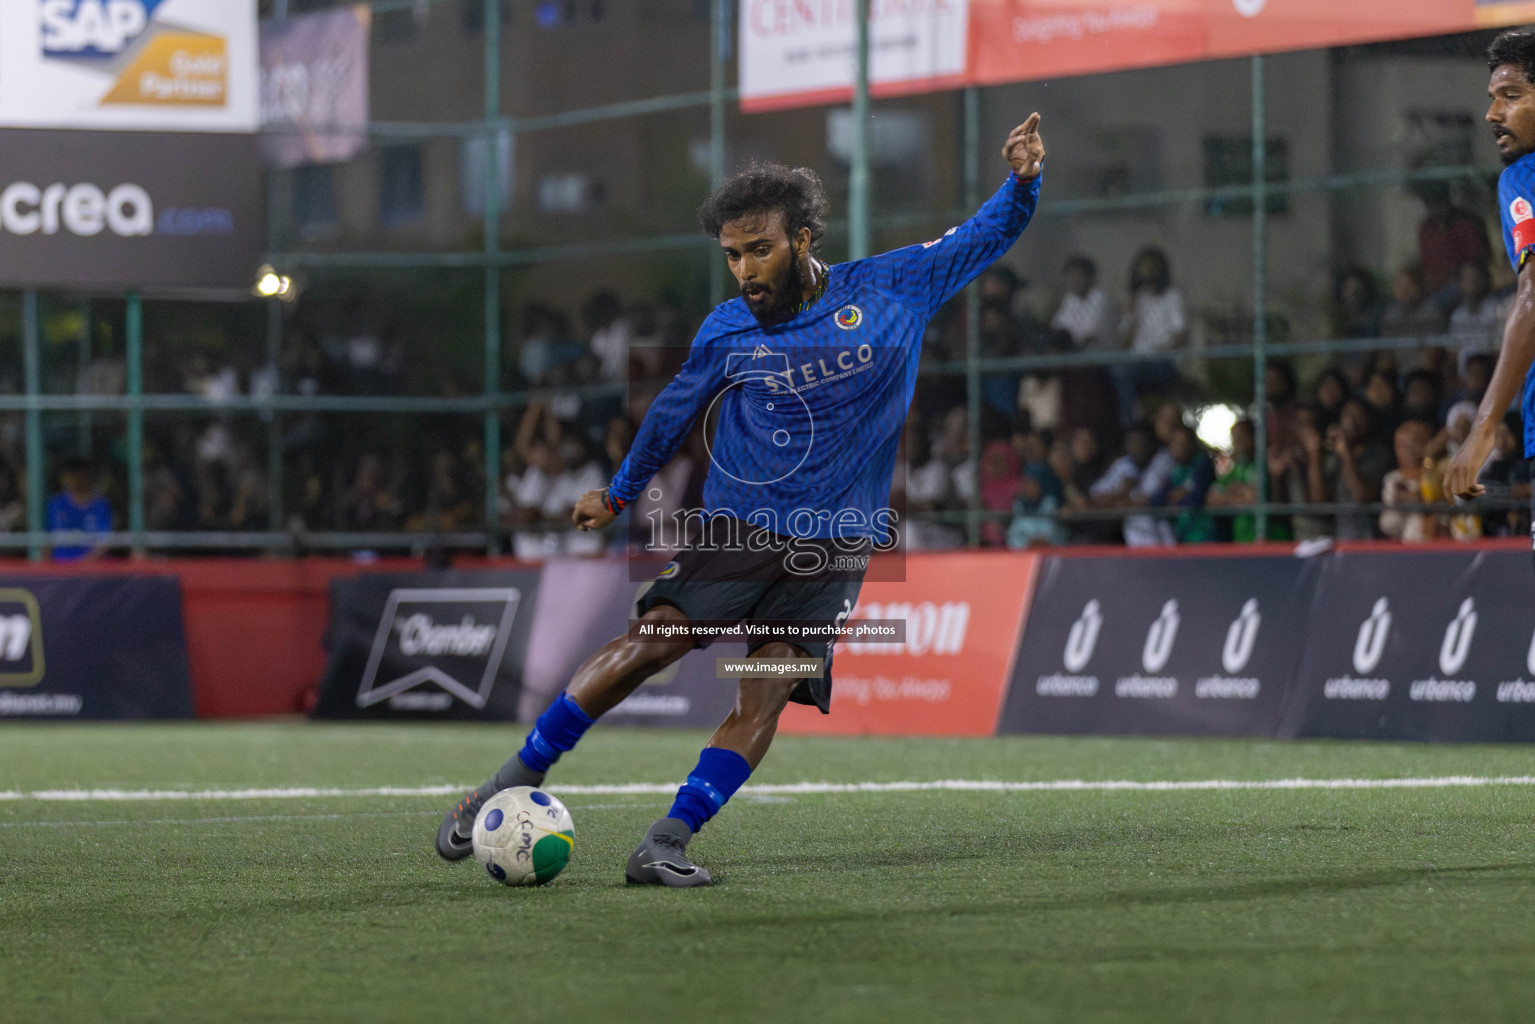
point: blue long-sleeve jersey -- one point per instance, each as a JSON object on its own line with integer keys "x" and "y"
{"x": 1516, "y": 200}
{"x": 810, "y": 411}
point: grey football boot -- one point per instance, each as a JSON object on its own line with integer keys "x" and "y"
{"x": 455, "y": 836}
{"x": 661, "y": 858}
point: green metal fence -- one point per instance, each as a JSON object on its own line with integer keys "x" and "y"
{"x": 492, "y": 258}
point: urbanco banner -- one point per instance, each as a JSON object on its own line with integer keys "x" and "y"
{"x": 1436, "y": 645}
{"x": 428, "y": 645}
{"x": 93, "y": 647}
{"x": 962, "y": 611}
{"x": 116, "y": 210}
{"x": 135, "y": 65}
{"x": 1160, "y": 645}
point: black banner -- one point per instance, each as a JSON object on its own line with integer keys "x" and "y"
{"x": 93, "y": 647}
{"x": 1419, "y": 645}
{"x": 1159, "y": 646}
{"x": 568, "y": 631}
{"x": 428, "y": 645}
{"x": 110, "y": 209}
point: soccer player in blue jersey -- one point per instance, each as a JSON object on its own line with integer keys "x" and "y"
{"x": 1511, "y": 59}
{"x": 810, "y": 372}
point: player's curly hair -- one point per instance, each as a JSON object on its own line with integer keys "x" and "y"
{"x": 762, "y": 187}
{"x": 1516, "y": 47}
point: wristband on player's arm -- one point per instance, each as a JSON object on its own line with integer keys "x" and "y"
{"x": 612, "y": 503}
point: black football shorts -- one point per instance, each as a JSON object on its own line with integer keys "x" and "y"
{"x": 743, "y": 584}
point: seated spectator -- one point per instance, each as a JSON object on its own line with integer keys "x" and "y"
{"x": 1476, "y": 325}
{"x": 1035, "y": 509}
{"x": 1404, "y": 486}
{"x": 1449, "y": 237}
{"x": 1346, "y": 468}
{"x": 1082, "y": 467}
{"x": 1356, "y": 306}
{"x": 1130, "y": 481}
{"x": 1086, "y": 316}
{"x": 80, "y": 507}
{"x": 1473, "y": 380}
{"x": 13, "y": 507}
{"x": 1000, "y": 480}
{"x": 610, "y": 333}
{"x": 929, "y": 488}
{"x": 1155, "y": 323}
{"x": 1290, "y": 473}
{"x": 1507, "y": 479}
{"x": 1282, "y": 412}
{"x": 1410, "y": 314}
{"x": 1188, "y": 482}
{"x": 1385, "y": 403}
{"x": 1238, "y": 485}
{"x": 1422, "y": 397}
{"x": 1086, "y": 320}
{"x": 1331, "y": 389}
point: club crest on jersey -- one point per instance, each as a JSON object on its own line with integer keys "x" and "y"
{"x": 849, "y": 318}
{"x": 669, "y": 571}
{"x": 1521, "y": 210}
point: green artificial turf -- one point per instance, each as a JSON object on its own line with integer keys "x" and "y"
{"x": 1220, "y": 905}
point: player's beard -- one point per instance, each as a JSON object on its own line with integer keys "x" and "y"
{"x": 785, "y": 295}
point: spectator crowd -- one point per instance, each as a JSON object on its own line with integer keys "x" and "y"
{"x": 1101, "y": 433}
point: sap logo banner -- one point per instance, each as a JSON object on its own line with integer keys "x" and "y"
{"x": 93, "y": 647}
{"x": 451, "y": 648}
{"x": 1419, "y": 645}
{"x": 93, "y": 28}
{"x": 1159, "y": 646}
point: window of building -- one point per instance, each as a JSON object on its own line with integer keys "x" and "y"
{"x": 314, "y": 200}
{"x": 472, "y": 169}
{"x": 397, "y": 25}
{"x": 471, "y": 14}
{"x": 570, "y": 193}
{"x": 568, "y": 13}
{"x": 399, "y": 185}
{"x": 1229, "y": 161}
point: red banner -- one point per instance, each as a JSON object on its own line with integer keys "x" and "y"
{"x": 1028, "y": 40}
{"x": 963, "y": 612}
{"x": 800, "y": 53}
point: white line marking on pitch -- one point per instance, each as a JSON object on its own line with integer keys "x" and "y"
{"x": 787, "y": 789}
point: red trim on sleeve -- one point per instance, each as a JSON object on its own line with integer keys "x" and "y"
{"x": 1524, "y": 234}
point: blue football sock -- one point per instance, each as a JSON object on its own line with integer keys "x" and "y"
{"x": 719, "y": 774}
{"x": 555, "y": 732}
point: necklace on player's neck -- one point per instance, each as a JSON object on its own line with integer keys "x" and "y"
{"x": 823, "y": 278}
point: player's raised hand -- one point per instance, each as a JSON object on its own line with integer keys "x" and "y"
{"x": 1025, "y": 150}
{"x": 591, "y": 512}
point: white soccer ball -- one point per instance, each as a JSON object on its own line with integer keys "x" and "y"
{"x": 523, "y": 836}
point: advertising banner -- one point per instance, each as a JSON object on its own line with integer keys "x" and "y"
{"x": 1160, "y": 646}
{"x": 433, "y": 645}
{"x": 795, "y": 53}
{"x": 1419, "y": 645}
{"x": 593, "y": 603}
{"x": 143, "y": 65}
{"x": 314, "y": 87}
{"x": 129, "y": 210}
{"x": 92, "y": 647}
{"x": 962, "y": 612}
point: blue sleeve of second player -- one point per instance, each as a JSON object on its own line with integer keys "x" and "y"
{"x": 668, "y": 420}
{"x": 924, "y": 277}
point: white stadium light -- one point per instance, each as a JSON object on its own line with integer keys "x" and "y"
{"x": 1213, "y": 424}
